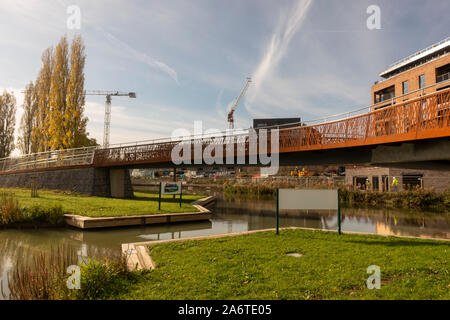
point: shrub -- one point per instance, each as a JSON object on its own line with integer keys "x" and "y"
{"x": 53, "y": 215}
{"x": 10, "y": 211}
{"x": 100, "y": 279}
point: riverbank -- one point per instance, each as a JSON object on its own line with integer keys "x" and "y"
{"x": 413, "y": 199}
{"x": 19, "y": 209}
{"x": 297, "y": 264}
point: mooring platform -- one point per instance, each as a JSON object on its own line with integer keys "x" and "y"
{"x": 82, "y": 222}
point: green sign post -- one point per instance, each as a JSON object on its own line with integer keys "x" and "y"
{"x": 170, "y": 188}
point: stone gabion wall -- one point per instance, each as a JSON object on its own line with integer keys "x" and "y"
{"x": 89, "y": 181}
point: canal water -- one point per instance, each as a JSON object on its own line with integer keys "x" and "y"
{"x": 229, "y": 216}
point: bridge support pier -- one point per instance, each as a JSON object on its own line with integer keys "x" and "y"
{"x": 120, "y": 183}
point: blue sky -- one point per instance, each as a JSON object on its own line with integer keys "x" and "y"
{"x": 188, "y": 60}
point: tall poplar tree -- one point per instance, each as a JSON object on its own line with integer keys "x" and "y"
{"x": 58, "y": 95}
{"x": 28, "y": 122}
{"x": 40, "y": 133}
{"x": 59, "y": 118}
{"x": 74, "y": 120}
{"x": 7, "y": 123}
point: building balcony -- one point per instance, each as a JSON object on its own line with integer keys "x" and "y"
{"x": 443, "y": 77}
{"x": 384, "y": 96}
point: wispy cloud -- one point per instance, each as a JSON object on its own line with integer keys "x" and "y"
{"x": 143, "y": 57}
{"x": 277, "y": 49}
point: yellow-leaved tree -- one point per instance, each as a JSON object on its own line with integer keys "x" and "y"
{"x": 40, "y": 133}
{"x": 58, "y": 95}
{"x": 74, "y": 120}
{"x": 59, "y": 117}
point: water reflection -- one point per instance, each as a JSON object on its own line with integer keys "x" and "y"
{"x": 260, "y": 214}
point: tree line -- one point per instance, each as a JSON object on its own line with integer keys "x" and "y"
{"x": 53, "y": 116}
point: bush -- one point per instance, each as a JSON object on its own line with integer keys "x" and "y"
{"x": 100, "y": 279}
{"x": 10, "y": 211}
{"x": 53, "y": 215}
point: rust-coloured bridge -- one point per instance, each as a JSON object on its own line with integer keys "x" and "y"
{"x": 414, "y": 133}
{"x": 424, "y": 119}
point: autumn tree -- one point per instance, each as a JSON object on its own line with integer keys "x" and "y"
{"x": 74, "y": 120}
{"x": 27, "y": 144}
{"x": 7, "y": 123}
{"x": 40, "y": 133}
{"x": 60, "y": 121}
{"x": 58, "y": 95}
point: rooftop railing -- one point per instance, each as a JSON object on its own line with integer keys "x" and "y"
{"x": 420, "y": 52}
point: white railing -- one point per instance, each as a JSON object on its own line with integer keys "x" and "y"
{"x": 420, "y": 52}
{"x": 50, "y": 159}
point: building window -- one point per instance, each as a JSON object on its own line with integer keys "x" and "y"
{"x": 422, "y": 81}
{"x": 405, "y": 87}
{"x": 412, "y": 182}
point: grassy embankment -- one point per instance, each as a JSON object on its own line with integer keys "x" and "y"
{"x": 256, "y": 267}
{"x": 18, "y": 207}
{"x": 413, "y": 199}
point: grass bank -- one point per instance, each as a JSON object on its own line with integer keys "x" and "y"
{"x": 257, "y": 266}
{"x": 13, "y": 215}
{"x": 72, "y": 203}
{"x": 413, "y": 199}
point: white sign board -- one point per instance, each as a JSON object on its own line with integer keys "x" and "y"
{"x": 170, "y": 188}
{"x": 292, "y": 199}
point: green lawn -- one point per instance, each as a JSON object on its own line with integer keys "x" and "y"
{"x": 143, "y": 203}
{"x": 332, "y": 267}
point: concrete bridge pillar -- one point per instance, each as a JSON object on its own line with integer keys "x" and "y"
{"x": 120, "y": 183}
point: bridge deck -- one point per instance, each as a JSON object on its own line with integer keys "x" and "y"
{"x": 420, "y": 119}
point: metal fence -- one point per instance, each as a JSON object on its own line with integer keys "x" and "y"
{"x": 51, "y": 159}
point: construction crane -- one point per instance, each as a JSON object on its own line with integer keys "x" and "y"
{"x": 108, "y": 95}
{"x": 236, "y": 103}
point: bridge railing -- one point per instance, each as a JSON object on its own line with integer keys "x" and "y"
{"x": 427, "y": 116}
{"x": 424, "y": 117}
{"x": 51, "y": 159}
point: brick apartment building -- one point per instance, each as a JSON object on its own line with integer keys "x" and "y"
{"x": 424, "y": 72}
{"x": 421, "y": 73}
